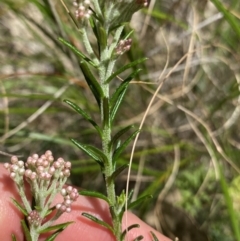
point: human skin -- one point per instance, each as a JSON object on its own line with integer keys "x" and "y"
{"x": 81, "y": 229}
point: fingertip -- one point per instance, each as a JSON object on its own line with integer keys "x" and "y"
{"x": 82, "y": 227}
{"x": 10, "y": 216}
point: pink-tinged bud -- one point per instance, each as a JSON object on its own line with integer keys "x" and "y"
{"x": 45, "y": 163}
{"x": 75, "y": 4}
{"x": 60, "y": 160}
{"x": 50, "y": 159}
{"x": 56, "y": 164}
{"x": 67, "y": 202}
{"x": 87, "y": 2}
{"x": 68, "y": 210}
{"x": 34, "y": 218}
{"x": 29, "y": 160}
{"x": 33, "y": 176}
{"x": 6, "y": 165}
{"x": 48, "y": 177}
{"x": 43, "y": 157}
{"x": 21, "y": 171}
{"x": 28, "y": 173}
{"x": 69, "y": 189}
{"x": 58, "y": 206}
{"x": 39, "y": 161}
{"x": 66, "y": 173}
{"x": 51, "y": 170}
{"x": 48, "y": 153}
{"x": 42, "y": 175}
{"x": 12, "y": 175}
{"x": 75, "y": 190}
{"x": 14, "y": 159}
{"x": 68, "y": 165}
{"x": 83, "y": 11}
{"x": 123, "y": 46}
{"x": 40, "y": 169}
{"x": 64, "y": 192}
{"x": 73, "y": 195}
{"x": 63, "y": 208}
{"x": 67, "y": 197}
{"x": 35, "y": 156}
{"x": 34, "y": 161}
{"x": 14, "y": 168}
{"x": 20, "y": 163}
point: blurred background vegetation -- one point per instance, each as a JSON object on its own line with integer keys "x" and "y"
{"x": 187, "y": 155}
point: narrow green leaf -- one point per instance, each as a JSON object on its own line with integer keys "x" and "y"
{"x": 128, "y": 229}
{"x": 229, "y": 203}
{"x": 115, "y": 26}
{"x": 102, "y": 37}
{"x": 94, "y": 194}
{"x": 128, "y": 35}
{"x": 130, "y": 196}
{"x": 118, "y": 96}
{"x": 96, "y": 220}
{"x": 123, "y": 146}
{"x": 117, "y": 104}
{"x": 57, "y": 227}
{"x": 79, "y": 53}
{"x": 117, "y": 172}
{"x": 228, "y": 16}
{"x": 93, "y": 26}
{"x": 139, "y": 201}
{"x": 46, "y": 12}
{"x": 125, "y": 67}
{"x": 74, "y": 21}
{"x": 87, "y": 151}
{"x": 119, "y": 134}
{"x": 84, "y": 115}
{"x": 92, "y": 82}
{"x": 98, "y": 153}
{"x": 14, "y": 237}
{"x": 20, "y": 207}
{"x": 118, "y": 91}
{"x": 26, "y": 231}
{"x": 154, "y": 236}
{"x": 93, "y": 152}
{"x": 140, "y": 237}
{"x": 53, "y": 236}
{"x": 95, "y": 30}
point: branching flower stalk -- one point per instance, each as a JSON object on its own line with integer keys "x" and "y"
{"x": 107, "y": 19}
{"x": 46, "y": 178}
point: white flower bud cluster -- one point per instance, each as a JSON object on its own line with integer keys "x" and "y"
{"x": 34, "y": 218}
{"x": 42, "y": 168}
{"x": 70, "y": 195}
{"x": 46, "y": 178}
{"x": 16, "y": 169}
{"x": 83, "y": 11}
{"x": 123, "y": 46}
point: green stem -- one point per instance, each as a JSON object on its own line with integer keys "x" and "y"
{"x": 105, "y": 70}
{"x": 109, "y": 169}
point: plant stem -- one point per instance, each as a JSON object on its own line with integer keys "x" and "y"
{"x": 104, "y": 72}
{"x": 109, "y": 169}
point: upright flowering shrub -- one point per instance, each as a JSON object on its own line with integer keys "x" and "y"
{"x": 106, "y": 19}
